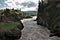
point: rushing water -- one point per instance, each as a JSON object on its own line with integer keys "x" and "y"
{"x": 32, "y": 31}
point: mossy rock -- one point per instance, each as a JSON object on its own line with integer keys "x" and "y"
{"x": 15, "y": 33}
{"x": 10, "y": 30}
{"x": 8, "y": 26}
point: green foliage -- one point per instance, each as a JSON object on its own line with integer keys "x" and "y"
{"x": 26, "y": 15}
{"x": 13, "y": 12}
{"x": 9, "y": 18}
{"x": 8, "y": 26}
{"x": 18, "y": 13}
{"x": 1, "y": 11}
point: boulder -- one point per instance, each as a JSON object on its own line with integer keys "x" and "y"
{"x": 49, "y": 16}
{"x": 15, "y": 33}
{"x": 2, "y": 34}
{"x": 20, "y": 26}
{"x": 11, "y": 26}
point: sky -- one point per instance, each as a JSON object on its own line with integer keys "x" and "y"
{"x": 24, "y": 5}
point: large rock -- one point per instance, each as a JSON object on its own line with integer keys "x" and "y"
{"x": 11, "y": 26}
{"x": 2, "y": 34}
{"x": 20, "y": 26}
{"x": 49, "y": 16}
{"x": 15, "y": 33}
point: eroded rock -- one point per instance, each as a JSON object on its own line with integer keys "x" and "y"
{"x": 49, "y": 16}
{"x": 11, "y": 27}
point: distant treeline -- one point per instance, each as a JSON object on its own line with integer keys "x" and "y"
{"x": 22, "y": 14}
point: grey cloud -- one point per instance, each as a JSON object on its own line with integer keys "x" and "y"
{"x": 28, "y": 4}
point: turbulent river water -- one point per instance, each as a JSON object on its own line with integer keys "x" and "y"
{"x": 32, "y": 31}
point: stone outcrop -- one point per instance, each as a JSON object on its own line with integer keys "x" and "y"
{"x": 20, "y": 26}
{"x": 49, "y": 16}
{"x": 15, "y": 32}
{"x": 2, "y": 34}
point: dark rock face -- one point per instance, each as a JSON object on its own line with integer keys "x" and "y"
{"x": 42, "y": 15}
{"x": 20, "y": 26}
{"x": 3, "y": 18}
{"x": 15, "y": 32}
{"x": 55, "y": 34}
{"x": 2, "y": 34}
{"x": 49, "y": 16}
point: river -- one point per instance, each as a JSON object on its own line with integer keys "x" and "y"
{"x": 32, "y": 31}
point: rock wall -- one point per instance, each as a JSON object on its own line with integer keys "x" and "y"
{"x": 15, "y": 32}
{"x": 49, "y": 16}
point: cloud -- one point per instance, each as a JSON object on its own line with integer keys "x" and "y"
{"x": 21, "y": 4}
{"x": 11, "y": 3}
{"x": 29, "y": 4}
{"x": 30, "y": 9}
{"x": 21, "y": 1}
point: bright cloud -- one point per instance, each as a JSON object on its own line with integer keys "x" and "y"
{"x": 29, "y": 9}
{"x": 17, "y": 4}
{"x": 10, "y": 3}
{"x": 21, "y": 1}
